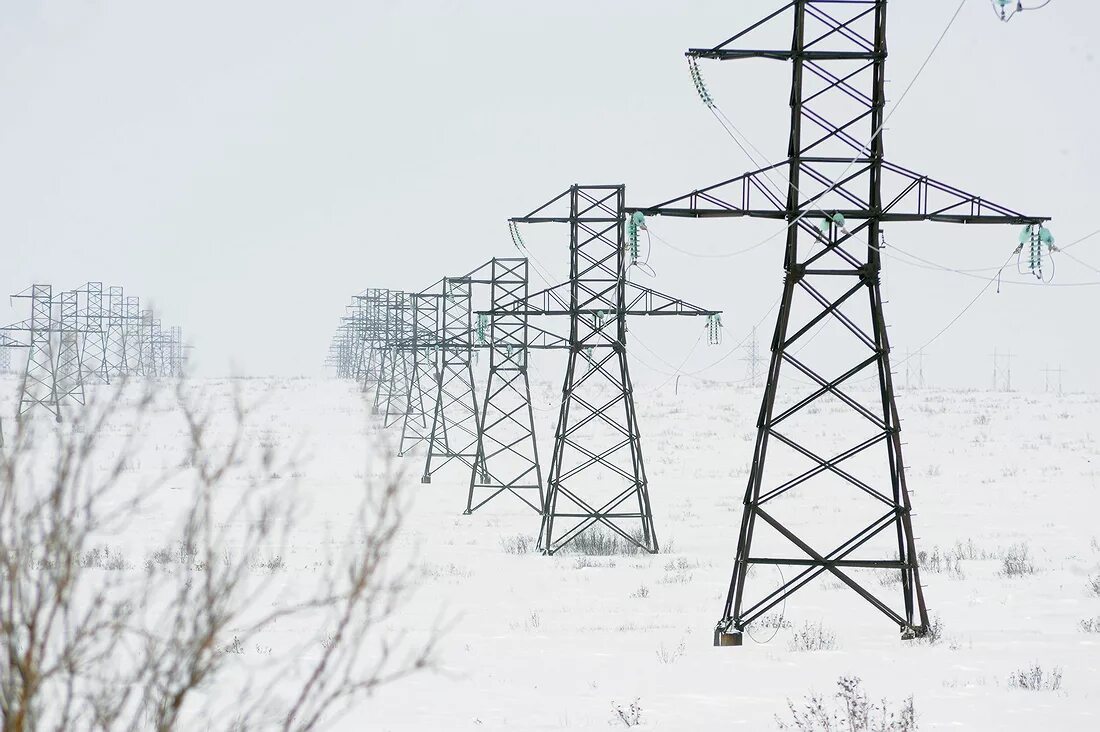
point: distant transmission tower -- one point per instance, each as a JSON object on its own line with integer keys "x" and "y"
{"x": 752, "y": 359}
{"x": 454, "y": 419}
{"x": 423, "y": 349}
{"x": 914, "y": 369}
{"x": 69, "y": 374}
{"x": 1047, "y": 373}
{"x": 1002, "y": 370}
{"x": 39, "y": 386}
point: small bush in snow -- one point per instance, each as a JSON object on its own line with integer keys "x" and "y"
{"x": 1091, "y": 625}
{"x": 597, "y": 542}
{"x": 849, "y": 711}
{"x": 585, "y": 562}
{"x": 811, "y": 637}
{"x": 1036, "y": 679}
{"x": 772, "y": 620}
{"x": 1094, "y": 585}
{"x": 641, "y": 592}
{"x": 940, "y": 562}
{"x": 1015, "y": 562}
{"x": 969, "y": 551}
{"x": 234, "y": 647}
{"x": 666, "y": 655}
{"x": 516, "y": 544}
{"x": 103, "y": 558}
{"x": 933, "y": 634}
{"x": 630, "y": 716}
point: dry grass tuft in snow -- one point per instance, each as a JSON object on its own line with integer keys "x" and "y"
{"x": 1016, "y": 562}
{"x": 601, "y": 543}
{"x": 1094, "y": 585}
{"x": 517, "y": 544}
{"x": 1036, "y": 679}
{"x": 849, "y": 710}
{"x": 628, "y": 716}
{"x": 813, "y": 637}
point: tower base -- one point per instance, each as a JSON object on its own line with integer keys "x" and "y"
{"x": 723, "y": 638}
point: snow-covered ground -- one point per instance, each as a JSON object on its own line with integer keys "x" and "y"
{"x": 549, "y": 643}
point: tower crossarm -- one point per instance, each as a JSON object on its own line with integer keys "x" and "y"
{"x": 646, "y": 301}
{"x": 819, "y": 47}
{"x": 21, "y": 326}
{"x": 7, "y": 341}
{"x": 907, "y": 196}
{"x": 637, "y": 300}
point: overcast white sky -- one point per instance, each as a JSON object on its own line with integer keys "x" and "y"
{"x": 250, "y": 165}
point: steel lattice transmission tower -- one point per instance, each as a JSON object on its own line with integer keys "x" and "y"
{"x": 39, "y": 387}
{"x": 454, "y": 430}
{"x": 422, "y": 349}
{"x": 506, "y": 455}
{"x": 69, "y": 374}
{"x": 94, "y": 359}
{"x": 597, "y": 428}
{"x": 396, "y": 367}
{"x": 839, "y": 190}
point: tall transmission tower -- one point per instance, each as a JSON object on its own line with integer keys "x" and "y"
{"x": 839, "y": 191}
{"x": 39, "y": 387}
{"x": 69, "y": 375}
{"x": 597, "y": 428}
{"x": 393, "y": 387}
{"x": 423, "y": 349}
{"x": 94, "y": 322}
{"x": 131, "y": 334}
{"x": 7, "y": 344}
{"x": 506, "y": 455}
{"x": 114, "y": 336}
{"x": 454, "y": 422}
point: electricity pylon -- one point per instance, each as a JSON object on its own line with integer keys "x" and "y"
{"x": 69, "y": 374}
{"x": 454, "y": 422}
{"x": 7, "y": 344}
{"x": 752, "y": 359}
{"x": 506, "y": 455}
{"x": 423, "y": 350}
{"x": 377, "y": 302}
{"x": 1002, "y": 370}
{"x": 39, "y": 386}
{"x": 115, "y": 362}
{"x": 838, "y": 191}
{"x": 597, "y": 432}
{"x": 914, "y": 368}
{"x": 5, "y": 353}
{"x": 1047, "y": 373}
{"x": 93, "y": 332}
{"x": 393, "y": 387}
{"x": 370, "y": 327}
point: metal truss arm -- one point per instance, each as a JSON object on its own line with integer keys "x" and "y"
{"x": 915, "y": 197}
{"x": 638, "y": 301}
